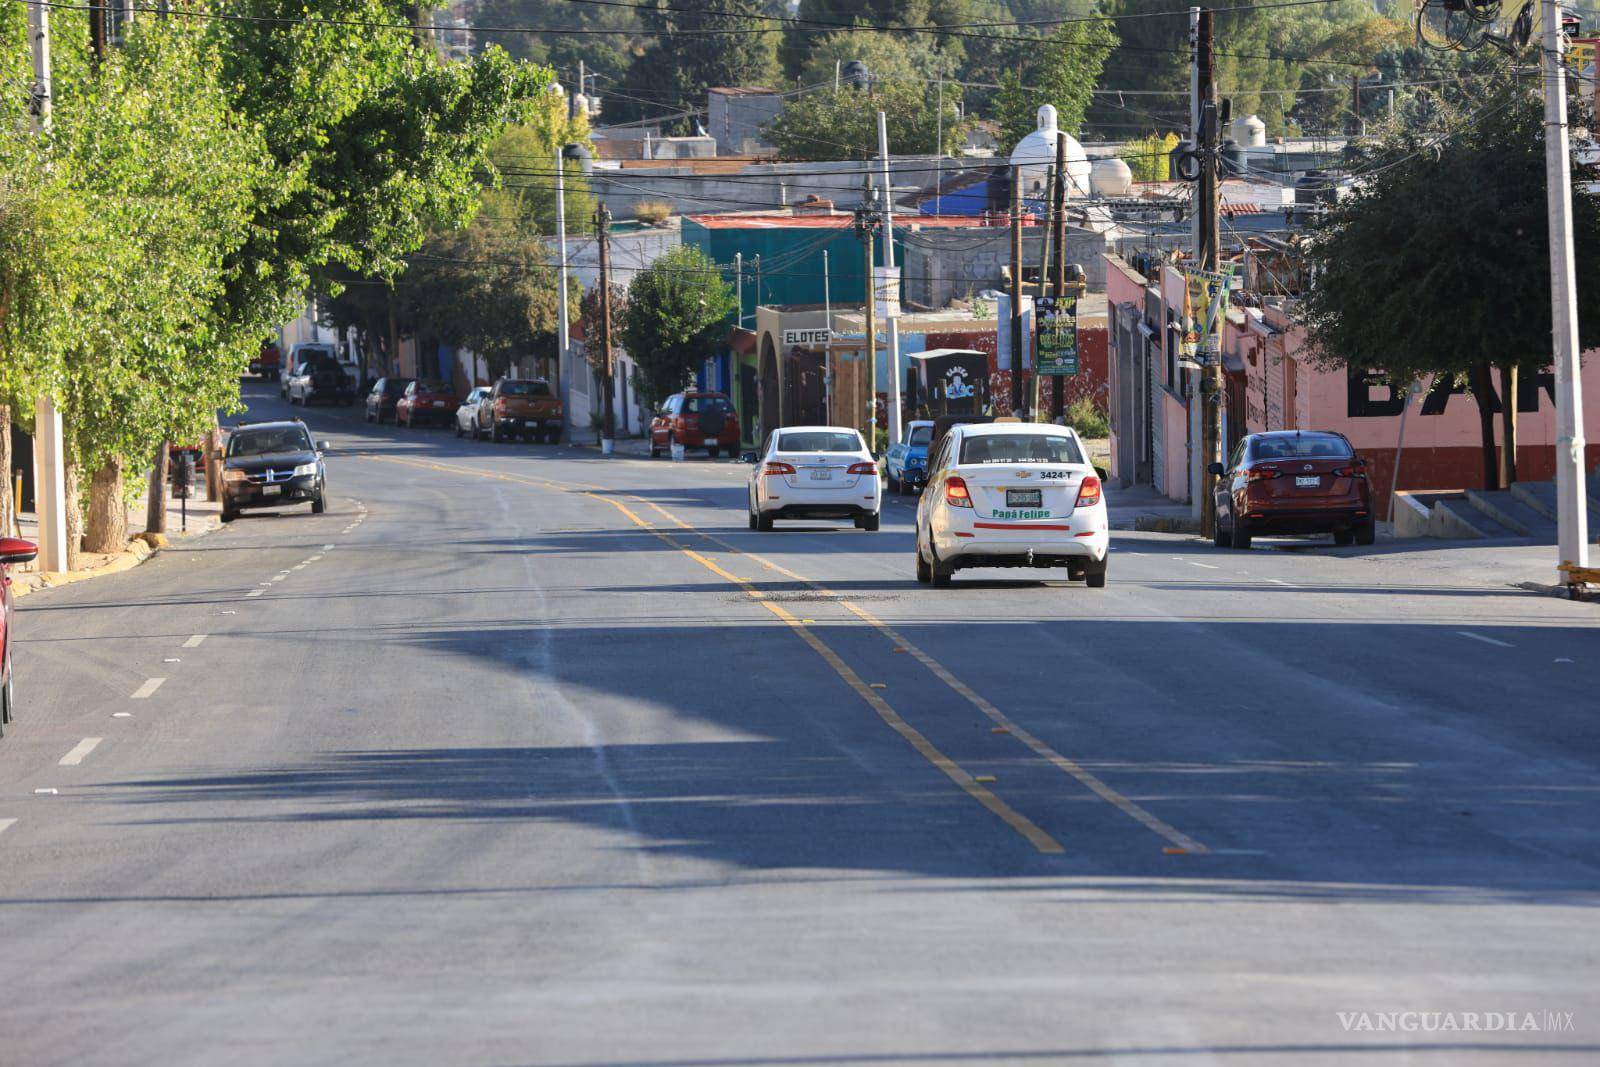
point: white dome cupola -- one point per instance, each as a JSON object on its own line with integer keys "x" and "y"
{"x": 1035, "y": 154}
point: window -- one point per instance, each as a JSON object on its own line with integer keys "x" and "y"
{"x": 821, "y": 441}
{"x": 923, "y": 435}
{"x": 269, "y": 441}
{"x": 700, "y": 405}
{"x": 1301, "y": 446}
{"x": 520, "y": 388}
{"x": 395, "y": 386}
{"x": 1020, "y": 448}
{"x": 428, "y": 385}
{"x": 1238, "y": 454}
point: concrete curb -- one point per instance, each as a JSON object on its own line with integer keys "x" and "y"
{"x": 137, "y": 552}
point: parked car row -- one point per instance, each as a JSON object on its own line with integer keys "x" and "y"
{"x": 525, "y": 408}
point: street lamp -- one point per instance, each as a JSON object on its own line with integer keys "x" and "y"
{"x": 569, "y": 153}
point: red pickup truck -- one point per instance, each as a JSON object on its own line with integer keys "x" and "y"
{"x": 268, "y": 363}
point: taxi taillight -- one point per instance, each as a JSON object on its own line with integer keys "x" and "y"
{"x": 1088, "y": 492}
{"x": 955, "y": 492}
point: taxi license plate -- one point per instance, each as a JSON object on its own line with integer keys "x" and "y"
{"x": 1022, "y": 498}
{"x": 1307, "y": 481}
{"x": 822, "y": 476}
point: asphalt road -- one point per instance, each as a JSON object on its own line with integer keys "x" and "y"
{"x": 522, "y": 755}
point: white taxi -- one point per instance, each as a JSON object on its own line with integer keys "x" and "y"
{"x": 814, "y": 472}
{"x": 1012, "y": 494}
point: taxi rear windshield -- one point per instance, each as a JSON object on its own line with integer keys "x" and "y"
{"x": 1020, "y": 448}
{"x": 819, "y": 441}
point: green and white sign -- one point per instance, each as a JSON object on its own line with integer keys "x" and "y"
{"x": 1056, "y": 320}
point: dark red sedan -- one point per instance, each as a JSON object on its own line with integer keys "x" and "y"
{"x": 12, "y": 551}
{"x": 1293, "y": 482}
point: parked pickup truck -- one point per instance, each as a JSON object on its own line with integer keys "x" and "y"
{"x": 268, "y": 362}
{"x": 520, "y": 407}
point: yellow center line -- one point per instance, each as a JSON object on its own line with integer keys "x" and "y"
{"x": 1068, "y": 766}
{"x": 1019, "y": 822}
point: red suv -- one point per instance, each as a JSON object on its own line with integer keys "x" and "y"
{"x": 695, "y": 420}
{"x": 1293, "y": 482}
{"x": 12, "y": 551}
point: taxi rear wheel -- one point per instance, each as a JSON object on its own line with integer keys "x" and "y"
{"x": 924, "y": 572}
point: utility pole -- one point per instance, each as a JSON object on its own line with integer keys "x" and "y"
{"x": 891, "y": 303}
{"x": 738, "y": 284}
{"x": 1036, "y": 392}
{"x": 49, "y": 447}
{"x": 1016, "y": 290}
{"x": 608, "y": 422}
{"x": 866, "y": 221}
{"x": 1572, "y": 519}
{"x": 563, "y": 341}
{"x": 1058, "y": 388}
{"x": 1210, "y": 398}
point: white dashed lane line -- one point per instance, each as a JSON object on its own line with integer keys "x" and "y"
{"x": 79, "y": 751}
{"x": 1280, "y": 581}
{"x": 1207, "y": 566}
{"x": 150, "y": 686}
{"x": 1485, "y": 640}
{"x": 194, "y": 642}
{"x": 255, "y": 592}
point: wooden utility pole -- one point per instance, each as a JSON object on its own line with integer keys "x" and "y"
{"x": 869, "y": 353}
{"x": 1210, "y": 398}
{"x": 1058, "y": 388}
{"x": 608, "y": 422}
{"x": 1016, "y": 290}
{"x": 1036, "y": 390}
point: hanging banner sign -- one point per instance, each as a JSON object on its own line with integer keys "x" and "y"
{"x": 886, "y": 284}
{"x": 1205, "y": 296}
{"x": 1056, "y": 322}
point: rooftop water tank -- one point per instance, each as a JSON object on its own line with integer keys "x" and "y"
{"x": 1249, "y": 131}
{"x": 1110, "y": 177}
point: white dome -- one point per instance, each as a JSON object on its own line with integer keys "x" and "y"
{"x": 1110, "y": 177}
{"x": 1035, "y": 154}
{"x": 558, "y": 88}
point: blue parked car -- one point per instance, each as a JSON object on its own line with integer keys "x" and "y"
{"x": 907, "y": 463}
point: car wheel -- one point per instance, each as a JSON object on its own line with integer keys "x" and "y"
{"x": 1239, "y": 534}
{"x": 868, "y": 523}
{"x": 655, "y": 453}
{"x": 1096, "y": 579}
{"x": 763, "y": 522}
{"x": 458, "y": 427}
{"x": 8, "y": 695}
{"x": 1344, "y": 537}
{"x": 320, "y": 504}
{"x": 939, "y": 573}
{"x": 1367, "y": 532}
{"x": 229, "y": 516}
{"x": 752, "y": 520}
{"x": 924, "y": 572}
{"x": 1221, "y": 537}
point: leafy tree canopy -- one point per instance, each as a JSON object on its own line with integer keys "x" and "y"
{"x": 677, "y": 309}
{"x": 843, "y": 124}
{"x": 1061, "y": 70}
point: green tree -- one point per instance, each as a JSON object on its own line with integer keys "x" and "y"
{"x": 677, "y": 308}
{"x": 1147, "y": 157}
{"x": 524, "y": 157}
{"x": 843, "y": 124}
{"x": 888, "y": 56}
{"x": 675, "y": 70}
{"x": 1062, "y": 70}
{"x": 1438, "y": 262}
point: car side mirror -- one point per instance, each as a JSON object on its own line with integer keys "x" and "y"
{"x": 1215, "y": 469}
{"x": 747, "y": 457}
{"x": 323, "y": 446}
{"x": 16, "y": 550}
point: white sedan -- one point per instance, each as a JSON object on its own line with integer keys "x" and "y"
{"x": 814, "y": 472}
{"x": 1012, "y": 495}
{"x": 467, "y": 413}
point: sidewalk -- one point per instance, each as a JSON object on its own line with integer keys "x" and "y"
{"x": 204, "y": 516}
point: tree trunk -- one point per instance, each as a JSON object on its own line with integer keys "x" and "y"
{"x": 108, "y": 512}
{"x": 212, "y": 459}
{"x": 1508, "y": 424}
{"x": 155, "y": 509}
{"x": 1483, "y": 393}
{"x": 74, "y": 508}
{"x": 8, "y": 504}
